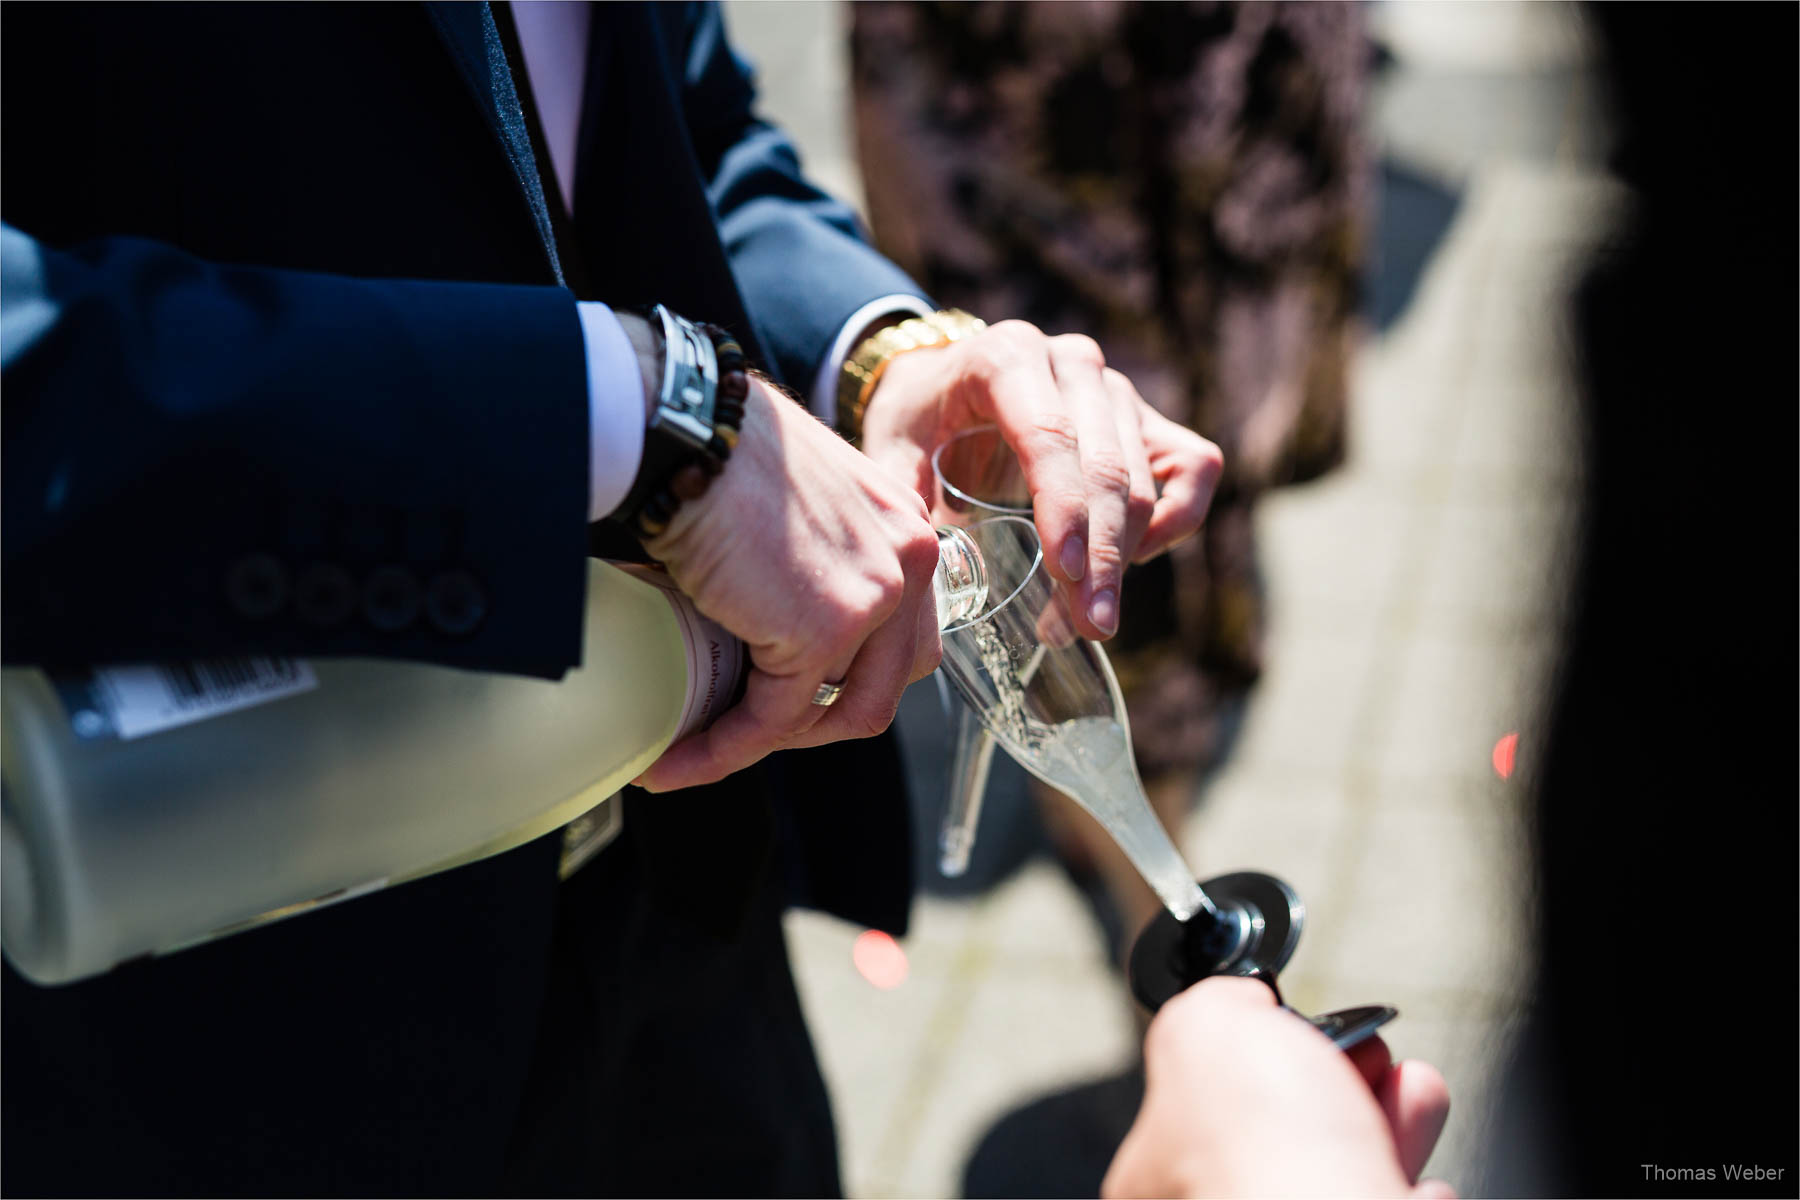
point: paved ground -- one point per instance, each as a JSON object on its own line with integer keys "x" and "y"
{"x": 1415, "y": 605}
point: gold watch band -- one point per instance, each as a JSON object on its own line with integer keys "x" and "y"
{"x": 863, "y": 368}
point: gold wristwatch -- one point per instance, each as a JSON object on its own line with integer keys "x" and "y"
{"x": 863, "y": 368}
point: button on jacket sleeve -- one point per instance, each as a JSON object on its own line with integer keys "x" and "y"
{"x": 376, "y": 435}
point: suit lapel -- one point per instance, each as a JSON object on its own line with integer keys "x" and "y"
{"x": 469, "y": 33}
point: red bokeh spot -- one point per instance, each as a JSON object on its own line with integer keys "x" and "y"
{"x": 879, "y": 959}
{"x": 1506, "y": 751}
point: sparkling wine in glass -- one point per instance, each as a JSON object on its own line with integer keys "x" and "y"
{"x": 977, "y": 476}
{"x": 1050, "y": 699}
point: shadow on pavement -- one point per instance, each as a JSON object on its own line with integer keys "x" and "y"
{"x": 1413, "y": 213}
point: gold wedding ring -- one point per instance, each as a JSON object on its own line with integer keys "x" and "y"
{"x": 827, "y": 694}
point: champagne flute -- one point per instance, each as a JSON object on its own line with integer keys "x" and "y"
{"x": 978, "y": 476}
{"x": 1050, "y": 699}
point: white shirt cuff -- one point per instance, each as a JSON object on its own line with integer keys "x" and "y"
{"x": 824, "y": 391}
{"x": 615, "y": 408}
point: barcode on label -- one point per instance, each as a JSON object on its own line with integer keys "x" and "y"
{"x": 148, "y": 698}
{"x": 214, "y": 679}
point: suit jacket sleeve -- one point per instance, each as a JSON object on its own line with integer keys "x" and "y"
{"x": 202, "y": 459}
{"x": 800, "y": 257}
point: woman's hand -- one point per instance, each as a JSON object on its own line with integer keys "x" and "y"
{"x": 1112, "y": 480}
{"x": 1245, "y": 1099}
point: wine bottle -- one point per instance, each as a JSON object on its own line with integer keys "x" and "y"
{"x": 148, "y": 808}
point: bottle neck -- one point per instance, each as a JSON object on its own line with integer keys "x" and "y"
{"x": 960, "y": 585}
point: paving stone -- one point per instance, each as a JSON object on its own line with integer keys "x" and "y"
{"x": 1026, "y": 1033}
{"x": 1308, "y": 709}
{"x": 1456, "y": 697}
{"x": 1559, "y": 212}
{"x": 942, "y": 922}
{"x": 1519, "y": 443}
{"x": 1039, "y": 920}
{"x": 1396, "y": 418}
{"x": 1435, "y": 903}
{"x": 1483, "y": 38}
{"x": 1499, "y": 570}
{"x": 867, "y": 1039}
{"x": 1336, "y": 548}
{"x": 1452, "y": 122}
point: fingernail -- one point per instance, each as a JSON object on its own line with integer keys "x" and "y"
{"x": 1074, "y": 558}
{"x": 1103, "y": 611}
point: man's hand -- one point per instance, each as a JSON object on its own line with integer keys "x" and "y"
{"x": 1243, "y": 1099}
{"x": 1112, "y": 480}
{"x": 822, "y": 563}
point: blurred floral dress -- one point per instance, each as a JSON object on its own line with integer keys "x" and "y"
{"x": 1190, "y": 185}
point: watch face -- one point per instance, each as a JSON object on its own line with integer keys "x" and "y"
{"x": 684, "y": 410}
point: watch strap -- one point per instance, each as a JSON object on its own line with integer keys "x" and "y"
{"x": 693, "y": 424}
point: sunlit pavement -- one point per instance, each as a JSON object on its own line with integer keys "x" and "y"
{"x": 1415, "y": 598}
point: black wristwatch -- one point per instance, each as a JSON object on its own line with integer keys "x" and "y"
{"x": 694, "y": 422}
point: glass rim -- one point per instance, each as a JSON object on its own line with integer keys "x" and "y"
{"x": 1037, "y": 563}
{"x": 937, "y": 471}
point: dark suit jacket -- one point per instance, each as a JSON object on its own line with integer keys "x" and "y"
{"x": 299, "y": 314}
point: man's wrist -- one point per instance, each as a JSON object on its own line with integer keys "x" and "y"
{"x": 863, "y": 368}
{"x": 859, "y": 325}
{"x": 647, "y": 345}
{"x": 694, "y": 417}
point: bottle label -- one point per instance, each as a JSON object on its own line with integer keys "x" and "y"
{"x": 714, "y": 664}
{"x": 715, "y": 657}
{"x": 137, "y": 700}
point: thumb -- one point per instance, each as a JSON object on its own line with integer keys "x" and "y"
{"x": 1416, "y": 1102}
